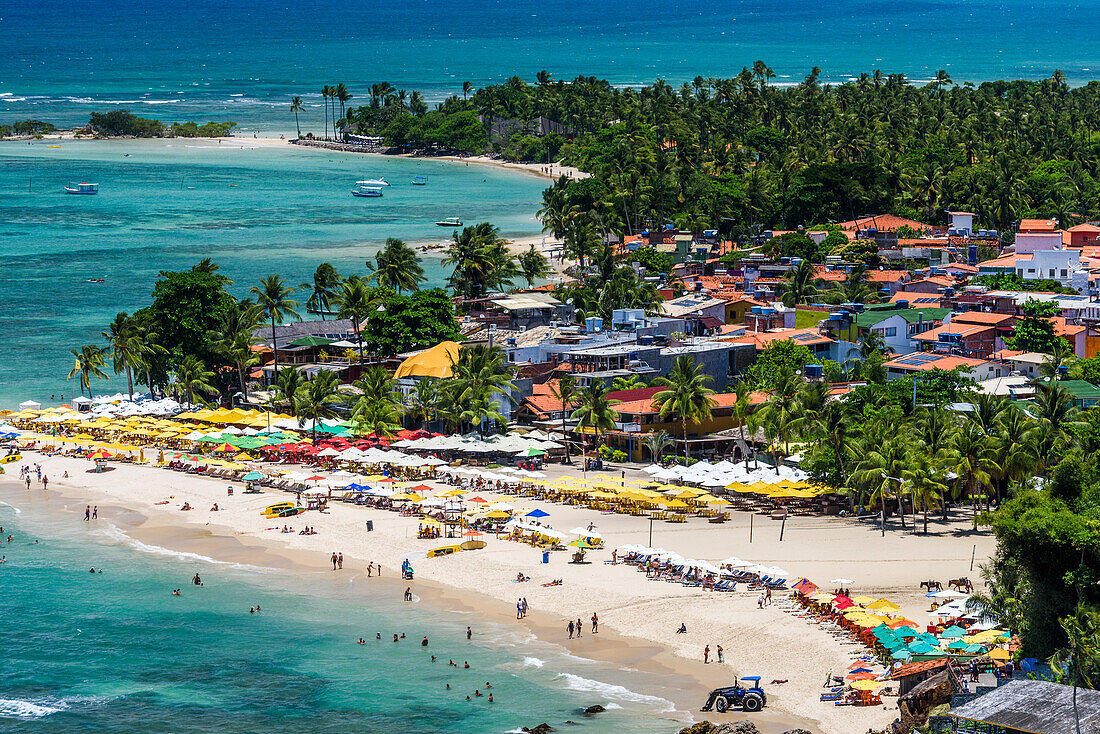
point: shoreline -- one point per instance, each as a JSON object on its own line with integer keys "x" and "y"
{"x": 222, "y": 544}
{"x": 767, "y": 642}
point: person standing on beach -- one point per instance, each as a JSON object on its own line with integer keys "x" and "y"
{"x": 340, "y": 561}
{"x": 87, "y": 512}
{"x": 334, "y": 560}
{"x": 45, "y": 481}
{"x": 718, "y": 649}
{"x": 469, "y": 632}
{"x": 706, "y": 654}
{"x": 519, "y": 608}
{"x": 595, "y": 623}
{"x": 570, "y": 629}
{"x": 95, "y": 512}
{"x": 579, "y": 627}
{"x": 370, "y": 569}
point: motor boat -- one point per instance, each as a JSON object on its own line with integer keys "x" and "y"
{"x": 373, "y": 182}
{"x": 363, "y": 190}
{"x": 420, "y": 180}
{"x": 449, "y": 222}
{"x": 82, "y": 188}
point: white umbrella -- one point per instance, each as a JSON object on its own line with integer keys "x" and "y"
{"x": 842, "y": 581}
{"x": 586, "y": 533}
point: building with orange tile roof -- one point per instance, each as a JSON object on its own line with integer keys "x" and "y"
{"x": 886, "y": 223}
{"x": 1037, "y": 225}
{"x": 971, "y": 340}
{"x": 1082, "y": 235}
{"x": 978, "y": 369}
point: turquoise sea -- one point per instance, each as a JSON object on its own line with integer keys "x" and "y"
{"x": 206, "y": 59}
{"x": 165, "y": 204}
{"x": 117, "y": 653}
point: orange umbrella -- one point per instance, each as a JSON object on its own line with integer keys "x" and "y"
{"x": 225, "y": 447}
{"x": 100, "y": 454}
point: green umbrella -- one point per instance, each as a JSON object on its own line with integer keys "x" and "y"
{"x": 252, "y": 476}
{"x": 953, "y": 631}
{"x": 532, "y": 452}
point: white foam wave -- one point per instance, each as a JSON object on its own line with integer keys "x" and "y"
{"x": 18, "y": 708}
{"x": 530, "y": 662}
{"x": 13, "y": 507}
{"x": 587, "y": 685}
{"x": 113, "y": 532}
{"x": 91, "y": 100}
{"x": 611, "y": 706}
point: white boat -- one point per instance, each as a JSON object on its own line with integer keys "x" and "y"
{"x": 449, "y": 222}
{"x": 368, "y": 191}
{"x": 82, "y": 188}
{"x": 373, "y": 182}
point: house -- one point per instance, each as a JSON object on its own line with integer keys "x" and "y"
{"x": 701, "y": 311}
{"x": 738, "y": 306}
{"x": 884, "y": 223}
{"x": 821, "y": 346}
{"x": 898, "y": 325}
{"x": 971, "y": 340}
{"x": 960, "y": 223}
{"x": 1030, "y": 707}
{"x": 910, "y": 675}
{"x": 914, "y": 364}
{"x": 1084, "y": 394}
{"x": 525, "y": 310}
{"x": 916, "y": 300}
{"x": 931, "y": 284}
{"x": 1037, "y": 225}
{"x": 1083, "y": 235}
{"x": 640, "y": 417}
{"x": 1025, "y": 363}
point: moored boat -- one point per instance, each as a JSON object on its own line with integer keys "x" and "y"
{"x": 373, "y": 182}
{"x": 449, "y": 222}
{"x": 420, "y": 180}
{"x": 367, "y": 191}
{"x": 82, "y": 188}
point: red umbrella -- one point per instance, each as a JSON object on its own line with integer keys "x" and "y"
{"x": 315, "y": 478}
{"x": 419, "y": 489}
{"x": 860, "y": 676}
{"x": 479, "y": 500}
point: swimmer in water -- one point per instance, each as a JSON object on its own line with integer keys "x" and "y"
{"x": 176, "y": 592}
{"x": 362, "y": 641}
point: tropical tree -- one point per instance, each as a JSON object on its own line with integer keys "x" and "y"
{"x": 273, "y": 298}
{"x": 379, "y": 419}
{"x": 686, "y": 396}
{"x": 563, "y": 392}
{"x": 657, "y": 443}
{"x": 356, "y": 302}
{"x": 296, "y": 107}
{"x": 927, "y": 481}
{"x": 326, "y": 92}
{"x": 288, "y": 383}
{"x": 126, "y": 348}
{"x": 322, "y": 290}
{"x": 480, "y": 376}
{"x": 1078, "y": 664}
{"x": 800, "y": 283}
{"x": 192, "y": 376}
{"x": 90, "y": 361}
{"x": 316, "y": 399}
{"x": 397, "y": 266}
{"x": 533, "y": 265}
{"x": 424, "y": 401}
{"x": 595, "y": 411}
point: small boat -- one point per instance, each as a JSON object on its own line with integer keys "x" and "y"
{"x": 368, "y": 191}
{"x": 373, "y": 182}
{"x": 444, "y": 551}
{"x": 82, "y": 188}
{"x": 277, "y": 507}
{"x": 10, "y": 458}
{"x": 449, "y": 222}
{"x": 289, "y": 512}
{"x": 420, "y": 180}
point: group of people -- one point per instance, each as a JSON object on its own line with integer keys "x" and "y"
{"x": 765, "y": 598}
{"x": 91, "y": 513}
{"x": 337, "y": 560}
{"x": 720, "y": 653}
{"x": 576, "y": 628}
{"x": 521, "y": 607}
{"x": 25, "y": 473}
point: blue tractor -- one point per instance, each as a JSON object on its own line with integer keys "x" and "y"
{"x": 746, "y": 694}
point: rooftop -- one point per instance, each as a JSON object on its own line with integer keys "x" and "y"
{"x": 764, "y": 338}
{"x": 925, "y": 361}
{"x": 963, "y": 330}
{"x": 867, "y": 319}
{"x": 1035, "y": 706}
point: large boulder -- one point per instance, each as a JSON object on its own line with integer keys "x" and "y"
{"x": 542, "y": 728}
{"x": 702, "y": 727}
{"x": 595, "y": 709}
{"x": 737, "y": 727}
{"x": 797, "y": 731}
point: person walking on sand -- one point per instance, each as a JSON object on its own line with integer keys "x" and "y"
{"x": 595, "y": 623}
{"x": 45, "y": 481}
{"x": 579, "y": 627}
{"x": 519, "y": 608}
{"x": 570, "y": 629}
{"x": 718, "y": 649}
{"x": 334, "y": 560}
{"x": 370, "y": 569}
{"x": 340, "y": 561}
{"x": 706, "y": 654}
{"x": 87, "y": 512}
{"x": 95, "y": 512}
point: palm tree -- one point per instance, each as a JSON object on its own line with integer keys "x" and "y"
{"x": 341, "y": 93}
{"x": 316, "y": 398}
{"x": 296, "y": 107}
{"x": 326, "y": 92}
{"x": 657, "y": 443}
{"x": 355, "y": 302}
{"x": 397, "y": 266}
{"x": 1080, "y": 662}
{"x": 192, "y": 375}
{"x": 322, "y": 290}
{"x": 686, "y": 397}
{"x": 800, "y": 284}
{"x": 595, "y": 411}
{"x": 478, "y": 375}
{"x": 563, "y": 392}
{"x": 467, "y": 87}
{"x": 927, "y": 484}
{"x": 378, "y": 386}
{"x": 742, "y": 411}
{"x": 533, "y": 265}
{"x": 630, "y": 382}
{"x": 149, "y": 346}
{"x": 233, "y": 340}
{"x": 126, "y": 348}
{"x": 273, "y": 298}
{"x": 90, "y": 361}
{"x": 288, "y": 382}
{"x": 380, "y": 419}
{"x": 424, "y": 401}
{"x": 1054, "y": 404}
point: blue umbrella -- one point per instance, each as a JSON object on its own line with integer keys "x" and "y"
{"x": 356, "y": 487}
{"x": 537, "y": 513}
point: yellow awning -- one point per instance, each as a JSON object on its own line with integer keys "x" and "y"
{"x": 435, "y": 362}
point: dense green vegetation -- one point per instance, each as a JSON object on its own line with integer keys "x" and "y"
{"x": 26, "y": 127}
{"x": 744, "y": 155}
{"x": 123, "y": 123}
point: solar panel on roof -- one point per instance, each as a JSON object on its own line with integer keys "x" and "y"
{"x": 918, "y": 359}
{"x": 927, "y": 300}
{"x": 804, "y": 337}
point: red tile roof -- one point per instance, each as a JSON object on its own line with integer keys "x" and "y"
{"x": 963, "y": 330}
{"x": 764, "y": 338}
{"x": 946, "y": 364}
{"x": 1038, "y": 225}
{"x": 883, "y": 222}
{"x": 981, "y": 317}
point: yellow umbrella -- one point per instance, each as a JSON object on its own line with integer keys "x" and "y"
{"x": 497, "y": 514}
{"x": 884, "y": 605}
{"x": 999, "y": 653}
{"x": 862, "y": 599}
{"x": 452, "y": 493}
{"x": 676, "y": 504}
{"x": 867, "y": 685}
{"x": 244, "y": 457}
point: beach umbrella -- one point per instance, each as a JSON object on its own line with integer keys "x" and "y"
{"x": 958, "y": 645}
{"x": 999, "y": 653}
{"x": 252, "y": 476}
{"x": 842, "y": 581}
{"x": 905, "y": 631}
{"x": 866, "y": 675}
{"x": 884, "y": 605}
{"x": 953, "y": 631}
{"x": 497, "y": 514}
{"x": 537, "y": 513}
{"x": 531, "y": 452}
{"x": 902, "y": 654}
{"x": 100, "y": 454}
{"x": 867, "y": 685}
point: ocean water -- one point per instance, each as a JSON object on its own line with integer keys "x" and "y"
{"x": 165, "y": 204}
{"x": 243, "y": 61}
{"x": 115, "y": 652}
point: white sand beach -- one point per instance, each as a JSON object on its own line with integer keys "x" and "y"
{"x": 770, "y": 642}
